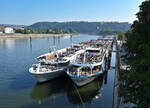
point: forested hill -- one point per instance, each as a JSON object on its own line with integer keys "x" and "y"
{"x": 83, "y": 27}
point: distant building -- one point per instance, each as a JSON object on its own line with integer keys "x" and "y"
{"x": 9, "y": 30}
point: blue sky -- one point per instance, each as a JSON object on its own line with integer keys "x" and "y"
{"x": 31, "y": 11}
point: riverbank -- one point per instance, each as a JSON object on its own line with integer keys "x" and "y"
{"x": 17, "y": 35}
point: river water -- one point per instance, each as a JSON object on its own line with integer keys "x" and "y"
{"x": 19, "y": 89}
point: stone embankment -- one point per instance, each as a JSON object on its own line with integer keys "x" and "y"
{"x": 17, "y": 35}
{"x": 116, "y": 81}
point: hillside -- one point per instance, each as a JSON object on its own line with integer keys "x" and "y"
{"x": 13, "y": 25}
{"x": 83, "y": 27}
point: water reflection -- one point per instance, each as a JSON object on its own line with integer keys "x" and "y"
{"x": 42, "y": 91}
{"x": 56, "y": 42}
{"x": 8, "y": 44}
{"x": 71, "y": 38}
{"x": 87, "y": 93}
{"x": 105, "y": 77}
{"x": 30, "y": 42}
{"x": 18, "y": 86}
{"x": 64, "y": 86}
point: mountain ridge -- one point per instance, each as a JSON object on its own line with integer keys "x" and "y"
{"x": 83, "y": 26}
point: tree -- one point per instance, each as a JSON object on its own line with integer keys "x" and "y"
{"x": 121, "y": 36}
{"x": 26, "y": 31}
{"x": 57, "y": 30}
{"x": 136, "y": 81}
{"x": 109, "y": 32}
{"x": 71, "y": 30}
{"x": 18, "y": 31}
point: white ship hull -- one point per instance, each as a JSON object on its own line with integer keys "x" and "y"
{"x": 42, "y": 77}
{"x": 83, "y": 80}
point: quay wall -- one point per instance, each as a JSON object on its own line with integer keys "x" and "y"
{"x": 116, "y": 100}
{"x": 17, "y": 35}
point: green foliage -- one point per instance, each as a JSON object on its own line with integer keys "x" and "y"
{"x": 2, "y": 29}
{"x": 71, "y": 30}
{"x": 136, "y": 81}
{"x": 57, "y": 30}
{"x": 108, "y": 32}
{"x": 121, "y": 36}
{"x": 40, "y": 31}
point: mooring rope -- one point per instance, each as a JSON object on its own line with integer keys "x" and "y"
{"x": 79, "y": 96}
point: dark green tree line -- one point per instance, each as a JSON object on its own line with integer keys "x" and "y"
{"x": 44, "y": 31}
{"x": 135, "y": 87}
{"x": 109, "y": 32}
